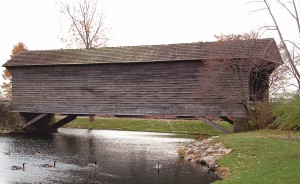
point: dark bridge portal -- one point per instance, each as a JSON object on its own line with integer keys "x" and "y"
{"x": 177, "y": 79}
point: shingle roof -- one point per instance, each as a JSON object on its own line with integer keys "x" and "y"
{"x": 260, "y": 48}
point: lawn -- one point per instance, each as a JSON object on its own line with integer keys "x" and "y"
{"x": 191, "y": 127}
{"x": 266, "y": 156}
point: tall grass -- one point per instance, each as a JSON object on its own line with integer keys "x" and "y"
{"x": 287, "y": 113}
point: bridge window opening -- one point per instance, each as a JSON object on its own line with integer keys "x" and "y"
{"x": 259, "y": 84}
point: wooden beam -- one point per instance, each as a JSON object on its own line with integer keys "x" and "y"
{"x": 37, "y": 118}
{"x": 225, "y": 118}
{"x": 213, "y": 124}
{"x": 64, "y": 121}
{"x": 130, "y": 115}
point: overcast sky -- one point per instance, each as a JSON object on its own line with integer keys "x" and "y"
{"x": 132, "y": 22}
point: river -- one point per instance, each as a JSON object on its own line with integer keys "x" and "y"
{"x": 121, "y": 156}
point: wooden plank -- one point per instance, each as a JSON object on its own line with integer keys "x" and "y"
{"x": 175, "y": 88}
{"x": 37, "y": 118}
{"x": 213, "y": 124}
{"x": 64, "y": 121}
{"x": 225, "y": 118}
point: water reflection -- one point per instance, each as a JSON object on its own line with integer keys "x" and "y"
{"x": 123, "y": 157}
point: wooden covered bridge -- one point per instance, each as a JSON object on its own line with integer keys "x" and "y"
{"x": 187, "y": 79}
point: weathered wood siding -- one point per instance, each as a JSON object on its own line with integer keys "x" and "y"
{"x": 161, "y": 88}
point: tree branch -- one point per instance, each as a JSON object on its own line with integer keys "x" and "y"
{"x": 297, "y": 16}
{"x": 286, "y": 8}
{"x": 86, "y": 24}
{"x": 289, "y": 57}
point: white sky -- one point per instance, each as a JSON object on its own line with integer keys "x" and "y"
{"x": 36, "y": 23}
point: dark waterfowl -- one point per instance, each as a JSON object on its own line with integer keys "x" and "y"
{"x": 6, "y": 152}
{"x": 50, "y": 165}
{"x": 94, "y": 165}
{"x": 16, "y": 167}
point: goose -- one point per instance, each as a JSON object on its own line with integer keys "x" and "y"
{"x": 93, "y": 165}
{"x": 23, "y": 152}
{"x": 50, "y": 165}
{"x": 37, "y": 153}
{"x": 16, "y": 167}
{"x": 158, "y": 166}
{"x": 6, "y": 152}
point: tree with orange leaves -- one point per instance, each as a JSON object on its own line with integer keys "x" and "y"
{"x": 7, "y": 85}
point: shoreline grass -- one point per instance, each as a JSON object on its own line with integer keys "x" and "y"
{"x": 265, "y": 156}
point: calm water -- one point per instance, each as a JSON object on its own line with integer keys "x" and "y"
{"x": 123, "y": 157}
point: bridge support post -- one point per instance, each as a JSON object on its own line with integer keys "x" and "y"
{"x": 38, "y": 123}
{"x": 63, "y": 121}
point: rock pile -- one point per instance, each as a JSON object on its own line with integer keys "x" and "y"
{"x": 5, "y": 131}
{"x": 205, "y": 153}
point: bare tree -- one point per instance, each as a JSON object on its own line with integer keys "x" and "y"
{"x": 86, "y": 29}
{"x": 252, "y": 96}
{"x": 236, "y": 88}
{"x": 279, "y": 79}
{"x": 243, "y": 36}
{"x": 290, "y": 48}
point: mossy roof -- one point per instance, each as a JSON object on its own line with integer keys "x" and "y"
{"x": 265, "y": 49}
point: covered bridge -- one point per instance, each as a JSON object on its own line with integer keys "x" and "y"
{"x": 186, "y": 79}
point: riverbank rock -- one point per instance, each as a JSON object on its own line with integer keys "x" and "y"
{"x": 4, "y": 131}
{"x": 204, "y": 152}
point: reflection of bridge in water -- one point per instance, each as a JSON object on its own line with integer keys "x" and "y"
{"x": 183, "y": 80}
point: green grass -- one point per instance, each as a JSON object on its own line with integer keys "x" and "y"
{"x": 262, "y": 157}
{"x": 191, "y": 127}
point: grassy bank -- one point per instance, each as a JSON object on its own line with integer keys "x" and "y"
{"x": 190, "y": 127}
{"x": 262, "y": 157}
